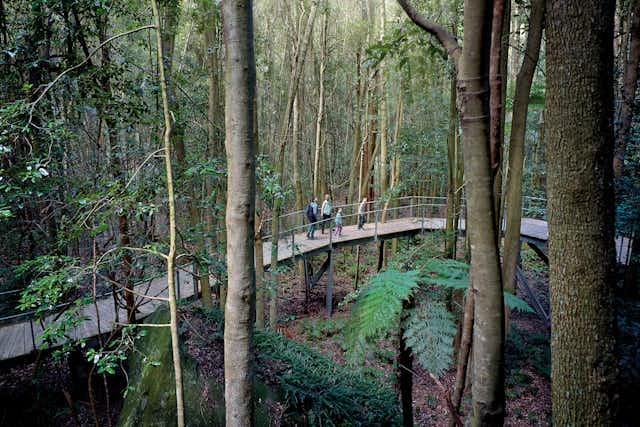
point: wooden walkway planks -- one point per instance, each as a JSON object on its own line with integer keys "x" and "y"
{"x": 16, "y": 339}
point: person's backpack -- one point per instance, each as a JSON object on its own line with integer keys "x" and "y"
{"x": 309, "y": 211}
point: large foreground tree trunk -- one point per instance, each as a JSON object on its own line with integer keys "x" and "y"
{"x": 240, "y": 82}
{"x": 472, "y": 64}
{"x": 581, "y": 211}
{"x": 488, "y": 332}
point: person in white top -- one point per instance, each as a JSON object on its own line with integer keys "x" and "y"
{"x": 361, "y": 213}
{"x": 326, "y": 211}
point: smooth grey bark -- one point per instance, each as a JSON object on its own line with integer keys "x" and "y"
{"x": 580, "y": 143}
{"x": 472, "y": 66}
{"x": 240, "y": 83}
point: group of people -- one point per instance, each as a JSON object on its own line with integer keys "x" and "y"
{"x": 311, "y": 211}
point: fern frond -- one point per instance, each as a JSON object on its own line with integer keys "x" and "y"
{"x": 516, "y": 303}
{"x": 447, "y": 273}
{"x": 378, "y": 307}
{"x": 455, "y": 274}
{"x": 429, "y": 332}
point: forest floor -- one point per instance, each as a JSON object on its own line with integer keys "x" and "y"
{"x": 41, "y": 400}
{"x": 528, "y": 387}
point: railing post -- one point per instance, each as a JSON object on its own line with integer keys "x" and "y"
{"x": 194, "y": 274}
{"x": 33, "y": 336}
{"x": 329, "y": 295}
{"x": 375, "y": 228}
{"x": 293, "y": 244}
{"x": 411, "y": 208}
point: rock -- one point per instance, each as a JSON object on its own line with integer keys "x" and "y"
{"x": 151, "y": 400}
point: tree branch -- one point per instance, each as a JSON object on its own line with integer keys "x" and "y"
{"x": 86, "y": 60}
{"x": 446, "y": 39}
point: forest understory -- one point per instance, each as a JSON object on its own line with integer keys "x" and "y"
{"x": 53, "y": 394}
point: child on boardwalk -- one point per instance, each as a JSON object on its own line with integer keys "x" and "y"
{"x": 338, "y": 232}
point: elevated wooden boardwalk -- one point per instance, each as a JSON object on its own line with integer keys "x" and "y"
{"x": 21, "y": 338}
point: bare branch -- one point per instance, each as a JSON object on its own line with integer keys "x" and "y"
{"x": 446, "y": 39}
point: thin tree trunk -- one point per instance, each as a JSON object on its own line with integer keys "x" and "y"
{"x": 317, "y": 170}
{"x": 405, "y": 375}
{"x": 170, "y": 257}
{"x": 630, "y": 82}
{"x": 240, "y": 81}
{"x": 581, "y": 210}
{"x": 452, "y": 161}
{"x": 301, "y": 53}
{"x": 295, "y": 149}
{"x": 464, "y": 351}
{"x": 513, "y": 198}
{"x": 357, "y": 135}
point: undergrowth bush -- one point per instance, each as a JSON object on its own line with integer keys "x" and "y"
{"x": 329, "y": 394}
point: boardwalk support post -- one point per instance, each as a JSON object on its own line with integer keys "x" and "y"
{"x": 329, "y": 296}
{"x": 307, "y": 275}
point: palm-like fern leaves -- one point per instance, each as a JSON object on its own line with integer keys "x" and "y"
{"x": 429, "y": 331}
{"x": 379, "y": 306}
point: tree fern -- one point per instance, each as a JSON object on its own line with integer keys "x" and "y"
{"x": 455, "y": 274}
{"x": 379, "y": 305}
{"x": 429, "y": 332}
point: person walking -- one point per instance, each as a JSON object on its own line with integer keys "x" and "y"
{"x": 338, "y": 231}
{"x": 312, "y": 215}
{"x": 326, "y": 212}
{"x": 361, "y": 213}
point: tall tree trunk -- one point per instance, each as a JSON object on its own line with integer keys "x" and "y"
{"x": 240, "y": 82}
{"x": 300, "y": 56}
{"x": 295, "y": 154}
{"x": 357, "y": 134}
{"x": 118, "y": 168}
{"x": 383, "y": 108}
{"x": 318, "y": 172}
{"x": 170, "y": 257}
{"x": 581, "y": 211}
{"x": 513, "y": 200}
{"x": 497, "y": 70}
{"x": 630, "y": 82}
{"x": 488, "y": 337}
{"x": 452, "y": 185}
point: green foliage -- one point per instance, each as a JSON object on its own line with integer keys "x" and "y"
{"x": 429, "y": 331}
{"x": 378, "y": 307}
{"x": 51, "y": 279}
{"x": 329, "y": 394}
{"x": 320, "y": 329}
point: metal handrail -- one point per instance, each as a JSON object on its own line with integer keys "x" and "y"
{"x": 413, "y": 207}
